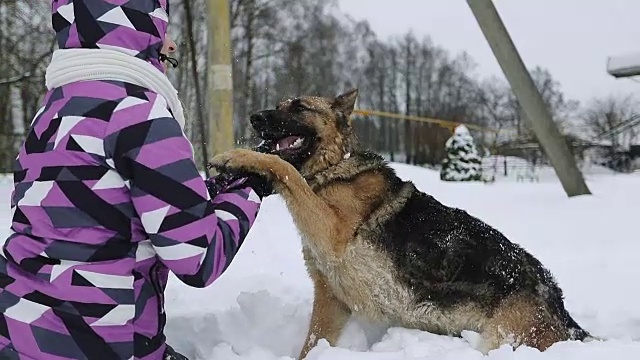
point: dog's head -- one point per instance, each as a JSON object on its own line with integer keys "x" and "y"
{"x": 312, "y": 133}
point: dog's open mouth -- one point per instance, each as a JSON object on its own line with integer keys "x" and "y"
{"x": 284, "y": 136}
{"x": 289, "y": 144}
{"x": 286, "y": 145}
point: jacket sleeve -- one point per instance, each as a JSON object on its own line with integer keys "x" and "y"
{"x": 195, "y": 236}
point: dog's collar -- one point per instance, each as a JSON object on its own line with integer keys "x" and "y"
{"x": 346, "y": 169}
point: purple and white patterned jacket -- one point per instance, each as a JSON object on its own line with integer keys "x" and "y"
{"x": 108, "y": 200}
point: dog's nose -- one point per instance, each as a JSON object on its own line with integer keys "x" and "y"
{"x": 257, "y": 119}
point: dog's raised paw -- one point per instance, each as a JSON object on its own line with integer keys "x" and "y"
{"x": 232, "y": 159}
{"x": 242, "y": 160}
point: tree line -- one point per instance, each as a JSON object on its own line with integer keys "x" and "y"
{"x": 284, "y": 48}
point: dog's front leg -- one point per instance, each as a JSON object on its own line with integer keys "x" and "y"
{"x": 328, "y": 317}
{"x": 316, "y": 221}
{"x": 311, "y": 214}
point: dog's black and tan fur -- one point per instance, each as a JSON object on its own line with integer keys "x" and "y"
{"x": 378, "y": 248}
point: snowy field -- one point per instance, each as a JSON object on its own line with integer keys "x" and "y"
{"x": 259, "y": 309}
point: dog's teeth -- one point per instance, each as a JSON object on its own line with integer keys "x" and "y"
{"x": 277, "y": 146}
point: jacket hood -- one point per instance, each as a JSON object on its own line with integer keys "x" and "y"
{"x": 135, "y": 27}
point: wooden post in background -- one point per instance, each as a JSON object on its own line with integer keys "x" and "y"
{"x": 219, "y": 77}
{"x": 537, "y": 114}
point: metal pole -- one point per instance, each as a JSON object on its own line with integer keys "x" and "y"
{"x": 537, "y": 114}
{"x": 219, "y": 77}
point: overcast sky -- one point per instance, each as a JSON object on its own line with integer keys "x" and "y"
{"x": 572, "y": 38}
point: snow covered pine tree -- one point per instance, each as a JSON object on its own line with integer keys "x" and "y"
{"x": 462, "y": 162}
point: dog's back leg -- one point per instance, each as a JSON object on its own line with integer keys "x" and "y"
{"x": 522, "y": 321}
{"x": 328, "y": 317}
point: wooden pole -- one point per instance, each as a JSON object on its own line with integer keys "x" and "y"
{"x": 219, "y": 77}
{"x": 537, "y": 114}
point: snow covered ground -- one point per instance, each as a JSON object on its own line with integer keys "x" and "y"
{"x": 259, "y": 309}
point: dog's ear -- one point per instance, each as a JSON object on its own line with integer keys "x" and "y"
{"x": 344, "y": 103}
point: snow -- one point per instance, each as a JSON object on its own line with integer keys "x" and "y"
{"x": 461, "y": 130}
{"x": 624, "y": 65}
{"x": 259, "y": 309}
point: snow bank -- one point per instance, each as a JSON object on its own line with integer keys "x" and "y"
{"x": 259, "y": 309}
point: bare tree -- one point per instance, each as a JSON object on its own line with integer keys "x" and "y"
{"x": 607, "y": 118}
{"x": 284, "y": 48}
{"x": 26, "y": 43}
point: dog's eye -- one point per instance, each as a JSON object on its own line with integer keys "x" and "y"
{"x": 299, "y": 106}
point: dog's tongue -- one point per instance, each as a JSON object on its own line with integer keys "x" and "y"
{"x": 289, "y": 142}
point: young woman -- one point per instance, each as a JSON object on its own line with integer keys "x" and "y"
{"x": 107, "y": 196}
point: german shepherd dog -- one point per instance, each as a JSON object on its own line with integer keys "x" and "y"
{"x": 378, "y": 248}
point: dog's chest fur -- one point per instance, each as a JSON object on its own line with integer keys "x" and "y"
{"x": 365, "y": 280}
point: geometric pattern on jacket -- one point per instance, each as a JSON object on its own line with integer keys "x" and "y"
{"x": 107, "y": 200}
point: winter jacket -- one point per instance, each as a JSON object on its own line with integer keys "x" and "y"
{"x": 108, "y": 200}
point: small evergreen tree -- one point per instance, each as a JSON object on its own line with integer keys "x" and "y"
{"x": 462, "y": 162}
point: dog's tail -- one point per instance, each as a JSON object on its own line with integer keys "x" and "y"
{"x": 584, "y": 336}
{"x": 576, "y": 332}
{"x": 555, "y": 302}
